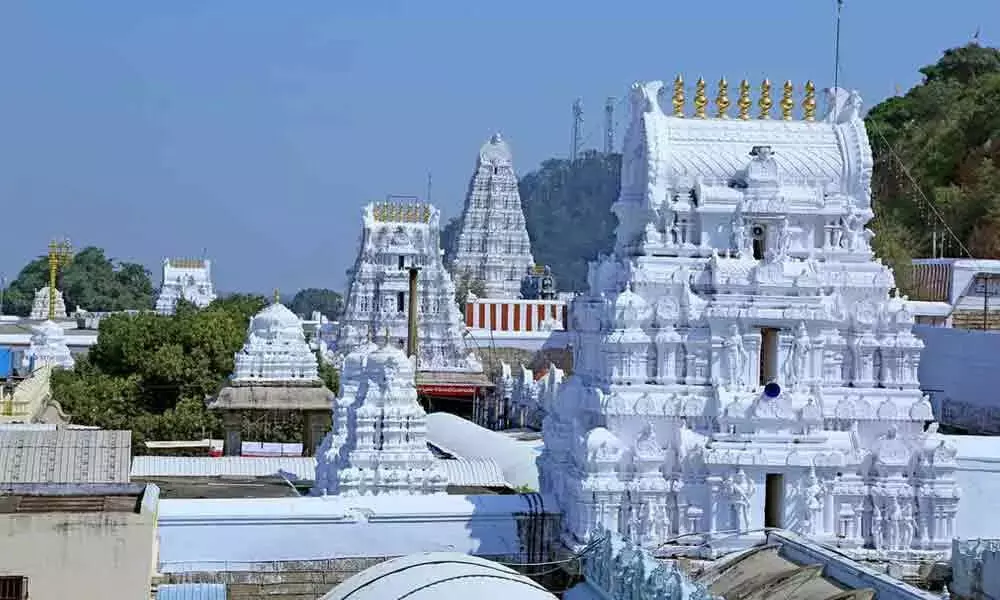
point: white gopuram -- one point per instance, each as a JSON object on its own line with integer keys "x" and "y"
{"x": 396, "y": 237}
{"x": 190, "y": 279}
{"x": 275, "y": 350}
{"x": 493, "y": 246}
{"x": 378, "y": 444}
{"x": 40, "y": 305}
{"x": 740, "y": 360}
{"x": 47, "y": 347}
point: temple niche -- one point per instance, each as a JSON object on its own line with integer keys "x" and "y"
{"x": 47, "y": 348}
{"x": 40, "y": 305}
{"x": 378, "y": 443}
{"x": 493, "y": 245}
{"x": 187, "y": 279}
{"x": 395, "y": 238}
{"x": 742, "y": 361}
{"x": 275, "y": 371}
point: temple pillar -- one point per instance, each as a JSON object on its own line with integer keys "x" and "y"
{"x": 315, "y": 424}
{"x": 232, "y": 423}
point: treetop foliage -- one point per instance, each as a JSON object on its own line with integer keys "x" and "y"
{"x": 327, "y": 302}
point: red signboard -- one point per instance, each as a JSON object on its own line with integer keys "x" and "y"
{"x": 458, "y": 391}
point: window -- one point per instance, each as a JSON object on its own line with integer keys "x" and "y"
{"x": 774, "y": 495}
{"x": 402, "y": 261}
{"x": 759, "y": 233}
{"x": 400, "y": 301}
{"x": 768, "y": 355}
{"x": 13, "y": 587}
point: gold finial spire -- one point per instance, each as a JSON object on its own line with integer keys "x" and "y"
{"x": 787, "y": 103}
{"x": 700, "y": 99}
{"x": 765, "y": 102}
{"x": 722, "y": 100}
{"x": 744, "y": 103}
{"x": 678, "y": 98}
{"x": 277, "y": 296}
{"x": 809, "y": 102}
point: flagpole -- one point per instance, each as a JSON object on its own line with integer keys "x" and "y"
{"x": 836, "y": 48}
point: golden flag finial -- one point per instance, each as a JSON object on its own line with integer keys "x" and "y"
{"x": 722, "y": 99}
{"x": 765, "y": 103}
{"x": 700, "y": 99}
{"x": 744, "y": 103}
{"x": 678, "y": 97}
{"x": 809, "y": 102}
{"x": 787, "y": 102}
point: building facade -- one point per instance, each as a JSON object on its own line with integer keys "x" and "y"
{"x": 493, "y": 245}
{"x": 187, "y": 278}
{"x": 741, "y": 360}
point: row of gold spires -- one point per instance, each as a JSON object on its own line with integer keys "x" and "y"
{"x": 404, "y": 213}
{"x": 744, "y": 103}
{"x": 187, "y": 263}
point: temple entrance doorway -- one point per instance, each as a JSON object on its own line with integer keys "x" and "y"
{"x": 774, "y": 499}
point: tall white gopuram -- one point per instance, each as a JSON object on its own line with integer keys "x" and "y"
{"x": 40, "y": 305}
{"x": 275, "y": 349}
{"x": 740, "y": 360}
{"x": 47, "y": 347}
{"x": 378, "y": 444}
{"x": 190, "y": 279}
{"x": 493, "y": 246}
{"x": 395, "y": 238}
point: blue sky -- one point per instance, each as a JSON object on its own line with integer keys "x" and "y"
{"x": 255, "y": 131}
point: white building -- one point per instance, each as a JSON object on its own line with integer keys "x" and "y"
{"x": 40, "y": 305}
{"x": 48, "y": 347}
{"x": 190, "y": 279}
{"x": 275, "y": 349}
{"x": 395, "y": 238}
{"x": 493, "y": 246}
{"x": 378, "y": 444}
{"x": 740, "y": 360}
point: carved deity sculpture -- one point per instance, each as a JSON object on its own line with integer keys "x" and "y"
{"x": 797, "y": 363}
{"x": 736, "y": 358}
{"x": 740, "y": 238}
{"x": 740, "y": 490}
{"x": 853, "y": 229}
{"x": 894, "y": 518}
{"x": 812, "y": 504}
{"x": 908, "y": 526}
{"x": 876, "y": 525}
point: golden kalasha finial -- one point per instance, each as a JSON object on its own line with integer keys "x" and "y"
{"x": 765, "y": 102}
{"x": 809, "y": 102}
{"x": 722, "y": 99}
{"x": 700, "y": 99}
{"x": 678, "y": 98}
{"x": 427, "y": 213}
{"x": 744, "y": 103}
{"x": 787, "y": 103}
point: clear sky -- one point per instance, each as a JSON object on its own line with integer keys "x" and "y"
{"x": 255, "y": 131}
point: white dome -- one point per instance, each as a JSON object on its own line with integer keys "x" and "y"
{"x": 275, "y": 318}
{"x": 439, "y": 576}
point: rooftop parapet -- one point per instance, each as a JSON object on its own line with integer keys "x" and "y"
{"x": 401, "y": 212}
{"x": 744, "y": 104}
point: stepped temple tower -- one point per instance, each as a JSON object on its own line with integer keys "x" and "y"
{"x": 493, "y": 246}
{"x": 48, "y": 347}
{"x": 40, "y": 305}
{"x": 275, "y": 372}
{"x": 742, "y": 361}
{"x": 187, "y": 278}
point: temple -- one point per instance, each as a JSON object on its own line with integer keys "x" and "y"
{"x": 378, "y": 443}
{"x": 275, "y": 371}
{"x": 401, "y": 241}
{"x": 493, "y": 245}
{"x": 48, "y": 348}
{"x": 742, "y": 361}
{"x": 40, "y": 305}
{"x": 190, "y": 279}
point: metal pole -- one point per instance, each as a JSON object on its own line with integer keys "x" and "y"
{"x": 836, "y": 48}
{"x": 986, "y": 301}
{"x": 411, "y": 324}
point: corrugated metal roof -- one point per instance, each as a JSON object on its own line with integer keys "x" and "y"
{"x": 64, "y": 456}
{"x": 191, "y": 591}
{"x": 474, "y": 472}
{"x": 295, "y": 468}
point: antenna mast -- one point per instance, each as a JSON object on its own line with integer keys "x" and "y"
{"x": 609, "y": 126}
{"x": 836, "y": 48}
{"x": 577, "y": 128}
{"x": 430, "y": 182}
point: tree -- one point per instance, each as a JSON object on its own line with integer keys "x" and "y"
{"x": 327, "y": 302}
{"x": 91, "y": 281}
{"x": 151, "y": 373}
{"x": 466, "y": 283}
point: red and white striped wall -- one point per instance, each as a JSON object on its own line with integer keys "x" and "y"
{"x": 507, "y": 315}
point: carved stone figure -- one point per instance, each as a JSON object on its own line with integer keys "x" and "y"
{"x": 741, "y": 489}
{"x": 797, "y": 363}
{"x": 894, "y": 519}
{"x": 741, "y": 240}
{"x": 876, "y": 526}
{"x": 812, "y": 504}
{"x": 907, "y": 526}
{"x": 736, "y": 358}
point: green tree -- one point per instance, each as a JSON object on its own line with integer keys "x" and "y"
{"x": 466, "y": 283}
{"x": 328, "y": 302}
{"x": 91, "y": 280}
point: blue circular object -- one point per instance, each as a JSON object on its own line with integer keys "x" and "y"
{"x": 772, "y": 390}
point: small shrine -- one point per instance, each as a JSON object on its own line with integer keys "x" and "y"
{"x": 378, "y": 443}
{"x": 47, "y": 348}
{"x": 275, "y": 371}
{"x": 188, "y": 279}
{"x": 43, "y": 299}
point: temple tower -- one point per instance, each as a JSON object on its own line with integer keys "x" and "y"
{"x": 742, "y": 359}
{"x": 493, "y": 246}
{"x": 40, "y": 305}
{"x": 275, "y": 371}
{"x": 190, "y": 279}
{"x": 48, "y": 347}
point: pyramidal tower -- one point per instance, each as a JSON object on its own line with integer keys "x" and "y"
{"x": 493, "y": 246}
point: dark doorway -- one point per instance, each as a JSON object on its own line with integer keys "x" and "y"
{"x": 774, "y": 499}
{"x": 768, "y": 355}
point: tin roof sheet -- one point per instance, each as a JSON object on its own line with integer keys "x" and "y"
{"x": 191, "y": 591}
{"x": 64, "y": 456}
